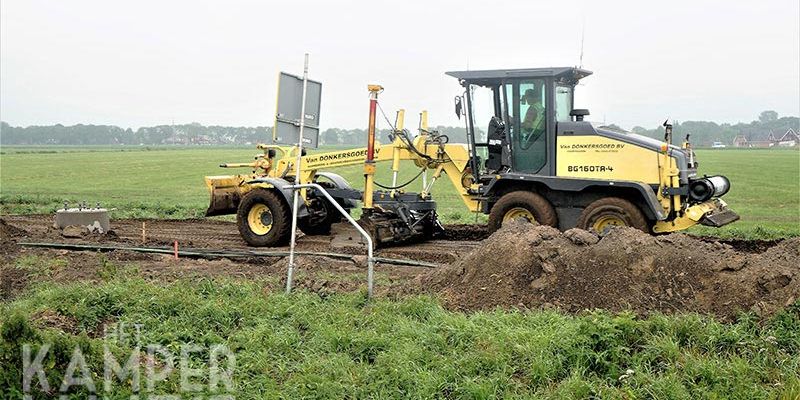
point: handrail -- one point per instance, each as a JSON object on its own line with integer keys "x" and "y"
{"x": 370, "y": 258}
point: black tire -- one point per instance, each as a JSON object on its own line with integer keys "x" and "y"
{"x": 614, "y": 211}
{"x": 542, "y": 211}
{"x": 280, "y": 228}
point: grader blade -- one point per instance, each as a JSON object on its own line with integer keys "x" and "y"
{"x": 225, "y": 194}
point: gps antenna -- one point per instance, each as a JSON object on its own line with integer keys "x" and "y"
{"x": 583, "y": 35}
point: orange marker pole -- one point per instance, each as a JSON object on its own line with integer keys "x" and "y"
{"x": 369, "y": 163}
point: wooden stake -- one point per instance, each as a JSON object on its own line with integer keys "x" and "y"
{"x": 175, "y": 244}
{"x": 144, "y": 239}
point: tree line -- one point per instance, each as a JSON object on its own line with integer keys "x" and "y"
{"x": 183, "y": 134}
{"x": 703, "y": 133}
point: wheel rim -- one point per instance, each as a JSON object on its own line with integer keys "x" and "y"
{"x": 259, "y": 219}
{"x": 606, "y": 222}
{"x": 517, "y": 213}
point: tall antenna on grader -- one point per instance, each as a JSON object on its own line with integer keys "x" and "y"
{"x": 583, "y": 35}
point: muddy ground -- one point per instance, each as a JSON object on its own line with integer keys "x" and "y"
{"x": 521, "y": 266}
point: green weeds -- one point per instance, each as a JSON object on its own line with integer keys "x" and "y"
{"x": 337, "y": 346}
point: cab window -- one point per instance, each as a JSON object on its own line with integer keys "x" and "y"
{"x": 563, "y": 103}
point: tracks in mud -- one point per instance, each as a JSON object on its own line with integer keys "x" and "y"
{"x": 215, "y": 234}
{"x": 209, "y": 233}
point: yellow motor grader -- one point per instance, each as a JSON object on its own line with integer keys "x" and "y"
{"x": 537, "y": 160}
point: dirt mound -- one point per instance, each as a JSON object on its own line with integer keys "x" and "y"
{"x": 537, "y": 266}
{"x": 8, "y": 231}
{"x": 9, "y": 235}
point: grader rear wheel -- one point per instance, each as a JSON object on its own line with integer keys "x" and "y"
{"x": 522, "y": 205}
{"x": 604, "y": 214}
{"x": 263, "y": 219}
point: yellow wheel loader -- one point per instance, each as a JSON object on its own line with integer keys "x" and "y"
{"x": 537, "y": 160}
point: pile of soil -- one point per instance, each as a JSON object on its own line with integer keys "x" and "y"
{"x": 523, "y": 265}
{"x": 8, "y": 236}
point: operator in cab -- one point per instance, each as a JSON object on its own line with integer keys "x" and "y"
{"x": 532, "y": 124}
{"x": 531, "y": 143}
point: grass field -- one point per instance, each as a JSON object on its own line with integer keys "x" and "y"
{"x": 167, "y": 182}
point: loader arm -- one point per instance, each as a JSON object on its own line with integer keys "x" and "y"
{"x": 278, "y": 162}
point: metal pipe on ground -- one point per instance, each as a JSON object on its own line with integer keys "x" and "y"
{"x": 205, "y": 253}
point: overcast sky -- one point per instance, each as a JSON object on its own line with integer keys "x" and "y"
{"x": 143, "y": 63}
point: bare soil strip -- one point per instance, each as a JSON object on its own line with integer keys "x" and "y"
{"x": 521, "y": 266}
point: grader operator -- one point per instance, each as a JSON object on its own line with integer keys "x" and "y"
{"x": 538, "y": 160}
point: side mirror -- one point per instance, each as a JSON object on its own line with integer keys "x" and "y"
{"x": 458, "y": 106}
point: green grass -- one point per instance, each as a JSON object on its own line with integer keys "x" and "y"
{"x": 167, "y": 182}
{"x": 339, "y": 346}
{"x": 156, "y": 184}
{"x": 765, "y": 191}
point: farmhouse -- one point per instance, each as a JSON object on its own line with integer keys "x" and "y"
{"x": 789, "y": 138}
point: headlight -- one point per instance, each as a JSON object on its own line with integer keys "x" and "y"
{"x": 706, "y": 188}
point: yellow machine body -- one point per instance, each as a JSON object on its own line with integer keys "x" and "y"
{"x": 599, "y": 157}
{"x": 603, "y": 158}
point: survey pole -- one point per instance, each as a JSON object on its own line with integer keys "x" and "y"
{"x": 297, "y": 180}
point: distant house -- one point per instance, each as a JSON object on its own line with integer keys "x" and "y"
{"x": 740, "y": 141}
{"x": 789, "y": 138}
{"x": 202, "y": 139}
{"x": 174, "y": 139}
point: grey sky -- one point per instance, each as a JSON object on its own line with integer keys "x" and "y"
{"x": 142, "y": 63}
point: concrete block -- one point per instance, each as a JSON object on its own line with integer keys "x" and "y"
{"x": 94, "y": 219}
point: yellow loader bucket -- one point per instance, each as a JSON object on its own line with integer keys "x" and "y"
{"x": 225, "y": 194}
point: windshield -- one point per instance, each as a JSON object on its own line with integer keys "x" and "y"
{"x": 482, "y": 112}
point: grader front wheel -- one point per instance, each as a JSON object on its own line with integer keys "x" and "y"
{"x": 263, "y": 219}
{"x": 522, "y": 205}
{"x": 604, "y": 214}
